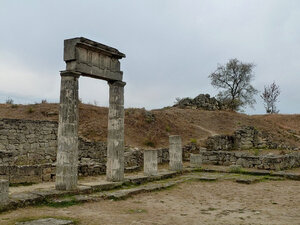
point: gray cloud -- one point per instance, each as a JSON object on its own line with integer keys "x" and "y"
{"x": 171, "y": 46}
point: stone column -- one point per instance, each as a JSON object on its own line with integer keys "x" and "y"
{"x": 150, "y": 162}
{"x": 115, "y": 139}
{"x": 4, "y": 185}
{"x": 67, "y": 152}
{"x": 175, "y": 153}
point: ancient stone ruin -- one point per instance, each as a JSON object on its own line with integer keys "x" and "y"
{"x": 84, "y": 57}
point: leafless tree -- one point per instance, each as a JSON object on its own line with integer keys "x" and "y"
{"x": 270, "y": 97}
{"x": 235, "y": 80}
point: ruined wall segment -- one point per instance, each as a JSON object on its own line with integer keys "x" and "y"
{"x": 27, "y": 142}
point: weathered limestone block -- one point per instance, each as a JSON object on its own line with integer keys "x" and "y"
{"x": 67, "y": 152}
{"x": 175, "y": 153}
{"x": 196, "y": 160}
{"x": 4, "y": 185}
{"x": 93, "y": 59}
{"x": 150, "y": 162}
{"x": 115, "y": 139}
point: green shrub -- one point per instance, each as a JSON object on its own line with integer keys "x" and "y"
{"x": 149, "y": 143}
{"x": 193, "y": 141}
{"x": 168, "y": 129}
{"x": 256, "y": 152}
{"x": 236, "y": 169}
{"x": 30, "y": 110}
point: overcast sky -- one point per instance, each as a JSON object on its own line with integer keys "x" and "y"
{"x": 171, "y": 47}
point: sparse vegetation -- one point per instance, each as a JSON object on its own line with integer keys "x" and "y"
{"x": 270, "y": 97}
{"x": 186, "y": 123}
{"x": 168, "y": 129}
{"x": 30, "y": 110}
{"x": 236, "y": 169}
{"x": 66, "y": 202}
{"x": 193, "y": 141}
{"x": 256, "y": 152}
{"x": 149, "y": 143}
{"x": 9, "y": 101}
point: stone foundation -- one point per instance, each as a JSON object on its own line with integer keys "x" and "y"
{"x": 267, "y": 162}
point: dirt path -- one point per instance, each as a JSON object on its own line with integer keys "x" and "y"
{"x": 222, "y": 202}
{"x": 212, "y": 133}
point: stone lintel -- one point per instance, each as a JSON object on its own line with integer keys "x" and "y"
{"x": 92, "y": 59}
{"x": 70, "y": 44}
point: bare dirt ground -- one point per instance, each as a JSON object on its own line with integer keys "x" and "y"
{"x": 221, "y": 202}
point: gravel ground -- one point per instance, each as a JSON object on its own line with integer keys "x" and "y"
{"x": 221, "y": 202}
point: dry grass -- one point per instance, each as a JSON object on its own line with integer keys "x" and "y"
{"x": 143, "y": 127}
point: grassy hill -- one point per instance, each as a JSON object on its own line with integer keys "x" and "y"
{"x": 152, "y": 128}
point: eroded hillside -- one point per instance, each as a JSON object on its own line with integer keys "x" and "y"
{"x": 152, "y": 128}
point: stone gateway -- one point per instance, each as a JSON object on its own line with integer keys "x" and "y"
{"x": 84, "y": 57}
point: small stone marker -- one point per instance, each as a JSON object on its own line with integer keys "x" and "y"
{"x": 175, "y": 153}
{"x": 150, "y": 162}
{"x": 4, "y": 185}
{"x": 196, "y": 160}
{"x": 47, "y": 221}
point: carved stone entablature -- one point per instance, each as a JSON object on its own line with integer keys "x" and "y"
{"x": 92, "y": 59}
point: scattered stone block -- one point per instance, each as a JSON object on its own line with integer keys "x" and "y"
{"x": 4, "y": 185}
{"x": 150, "y": 162}
{"x": 196, "y": 160}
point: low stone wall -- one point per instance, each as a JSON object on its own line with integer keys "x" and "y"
{"x": 92, "y": 161}
{"x": 26, "y": 142}
{"x": 28, "y": 173}
{"x": 246, "y": 137}
{"x": 28, "y": 153}
{"x": 274, "y": 162}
